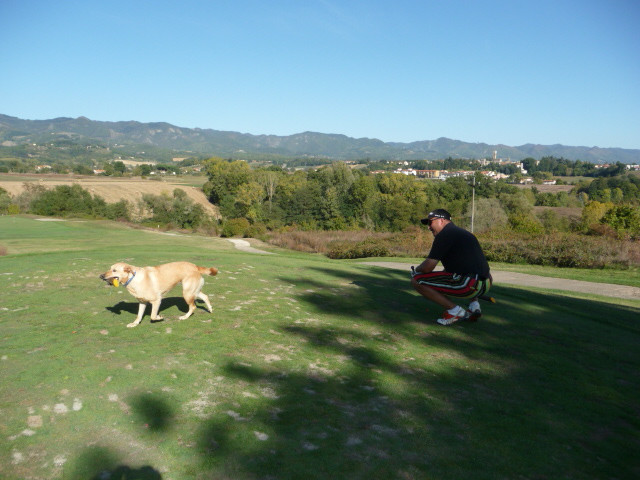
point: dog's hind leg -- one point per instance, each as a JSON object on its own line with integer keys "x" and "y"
{"x": 206, "y": 301}
{"x": 190, "y": 289}
{"x": 138, "y": 319}
{"x": 202, "y": 296}
{"x": 191, "y": 302}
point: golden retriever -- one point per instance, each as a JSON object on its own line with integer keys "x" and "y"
{"x": 149, "y": 284}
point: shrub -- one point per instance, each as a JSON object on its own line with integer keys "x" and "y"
{"x": 525, "y": 223}
{"x": 559, "y": 249}
{"x": 624, "y": 219}
{"x": 317, "y": 241}
{"x": 118, "y": 211}
{"x": 5, "y": 201}
{"x": 65, "y": 200}
{"x": 178, "y": 210}
{"x": 500, "y": 245}
{"x": 256, "y": 230}
{"x": 235, "y": 227}
{"x": 365, "y": 249}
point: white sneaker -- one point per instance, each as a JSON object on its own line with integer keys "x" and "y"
{"x": 449, "y": 318}
{"x": 474, "y": 313}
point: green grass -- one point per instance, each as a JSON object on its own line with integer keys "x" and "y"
{"x": 616, "y": 276}
{"x": 308, "y": 368}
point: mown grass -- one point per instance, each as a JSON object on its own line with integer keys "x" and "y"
{"x": 308, "y": 368}
{"x": 616, "y": 276}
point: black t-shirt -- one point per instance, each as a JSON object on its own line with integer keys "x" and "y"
{"x": 459, "y": 251}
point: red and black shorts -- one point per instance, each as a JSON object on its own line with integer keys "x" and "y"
{"x": 454, "y": 285}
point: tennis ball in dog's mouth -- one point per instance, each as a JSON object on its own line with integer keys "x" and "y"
{"x": 115, "y": 282}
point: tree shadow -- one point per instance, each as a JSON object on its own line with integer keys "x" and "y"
{"x": 100, "y": 463}
{"x": 153, "y": 410}
{"x": 534, "y": 386}
{"x": 155, "y": 413}
{"x": 364, "y": 295}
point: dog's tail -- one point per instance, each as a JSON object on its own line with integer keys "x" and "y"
{"x": 208, "y": 271}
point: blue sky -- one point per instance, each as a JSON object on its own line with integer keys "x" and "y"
{"x": 510, "y": 72}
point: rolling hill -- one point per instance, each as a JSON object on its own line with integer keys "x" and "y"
{"x": 15, "y": 132}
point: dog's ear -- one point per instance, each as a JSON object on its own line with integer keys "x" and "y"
{"x": 128, "y": 269}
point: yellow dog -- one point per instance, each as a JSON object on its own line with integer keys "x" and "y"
{"x": 149, "y": 284}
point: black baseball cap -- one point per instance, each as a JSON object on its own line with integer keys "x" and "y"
{"x": 437, "y": 213}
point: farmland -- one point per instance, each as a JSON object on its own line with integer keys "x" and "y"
{"x": 114, "y": 189}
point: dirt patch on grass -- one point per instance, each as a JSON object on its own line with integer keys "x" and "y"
{"x": 112, "y": 190}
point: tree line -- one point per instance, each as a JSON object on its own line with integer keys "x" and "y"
{"x": 336, "y": 197}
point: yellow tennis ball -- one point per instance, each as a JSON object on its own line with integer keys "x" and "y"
{"x": 115, "y": 282}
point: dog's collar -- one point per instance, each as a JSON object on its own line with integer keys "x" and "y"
{"x": 129, "y": 281}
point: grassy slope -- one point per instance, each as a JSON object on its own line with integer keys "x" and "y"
{"x": 308, "y": 368}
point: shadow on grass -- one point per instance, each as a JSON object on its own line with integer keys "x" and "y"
{"x": 544, "y": 386}
{"x": 99, "y": 463}
{"x": 155, "y": 413}
{"x": 167, "y": 303}
{"x": 153, "y": 410}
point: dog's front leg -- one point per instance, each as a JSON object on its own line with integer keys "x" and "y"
{"x": 138, "y": 319}
{"x": 155, "y": 306}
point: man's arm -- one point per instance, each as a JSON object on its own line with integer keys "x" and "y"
{"x": 427, "y": 266}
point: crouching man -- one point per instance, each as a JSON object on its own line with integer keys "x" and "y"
{"x": 466, "y": 271}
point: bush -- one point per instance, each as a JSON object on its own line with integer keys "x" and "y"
{"x": 5, "y": 201}
{"x": 118, "y": 211}
{"x": 525, "y": 223}
{"x": 559, "y": 249}
{"x": 235, "y": 227}
{"x": 13, "y": 209}
{"x": 177, "y": 210}
{"x": 624, "y": 219}
{"x": 256, "y": 230}
{"x": 500, "y": 245}
{"x": 365, "y": 249}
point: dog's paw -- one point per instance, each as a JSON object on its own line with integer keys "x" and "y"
{"x": 131, "y": 325}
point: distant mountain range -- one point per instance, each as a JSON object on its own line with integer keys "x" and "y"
{"x": 15, "y": 131}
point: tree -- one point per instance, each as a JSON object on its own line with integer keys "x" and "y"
{"x": 119, "y": 168}
{"x": 394, "y": 212}
{"x": 269, "y": 180}
{"x": 624, "y": 219}
{"x": 520, "y": 202}
{"x": 362, "y": 200}
{"x": 488, "y": 214}
{"x": 248, "y": 201}
{"x": 592, "y": 214}
{"x": 5, "y": 201}
{"x": 178, "y": 210}
{"x": 225, "y": 178}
